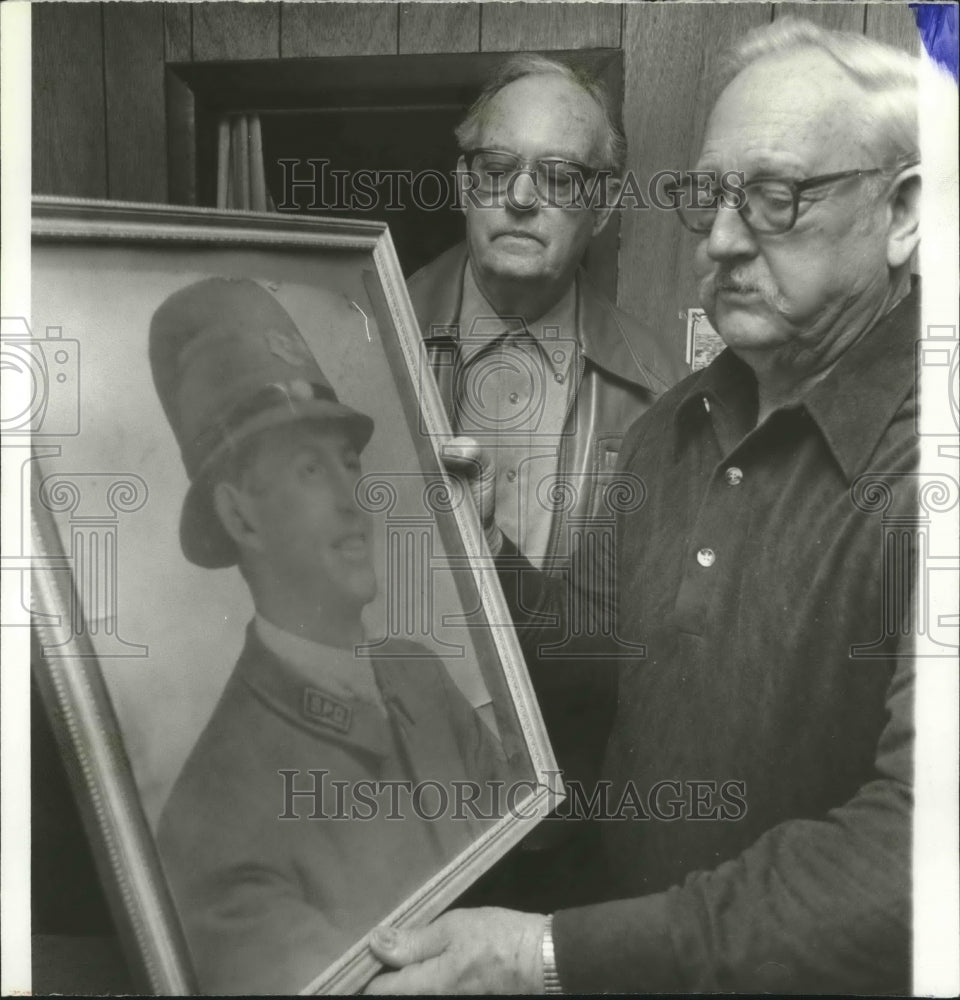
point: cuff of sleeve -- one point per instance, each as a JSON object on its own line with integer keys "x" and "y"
{"x": 522, "y": 584}
{"x": 618, "y": 947}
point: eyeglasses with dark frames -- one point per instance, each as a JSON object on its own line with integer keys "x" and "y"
{"x": 557, "y": 181}
{"x": 768, "y": 205}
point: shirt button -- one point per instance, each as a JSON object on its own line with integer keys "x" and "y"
{"x": 733, "y": 476}
{"x": 706, "y": 557}
{"x": 514, "y": 397}
{"x": 706, "y": 404}
{"x": 511, "y": 475}
{"x": 558, "y": 377}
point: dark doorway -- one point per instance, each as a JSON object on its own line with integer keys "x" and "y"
{"x": 334, "y": 157}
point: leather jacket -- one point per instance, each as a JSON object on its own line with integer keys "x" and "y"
{"x": 621, "y": 370}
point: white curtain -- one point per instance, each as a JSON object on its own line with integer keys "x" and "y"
{"x": 240, "y": 172}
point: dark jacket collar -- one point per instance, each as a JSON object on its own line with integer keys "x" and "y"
{"x": 852, "y": 406}
{"x": 436, "y": 292}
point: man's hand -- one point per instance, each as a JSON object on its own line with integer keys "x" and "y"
{"x": 465, "y": 459}
{"x": 486, "y": 950}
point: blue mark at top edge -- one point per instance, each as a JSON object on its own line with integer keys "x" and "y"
{"x": 937, "y": 24}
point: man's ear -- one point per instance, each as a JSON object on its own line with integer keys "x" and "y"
{"x": 903, "y": 234}
{"x": 237, "y": 515}
{"x": 601, "y": 214}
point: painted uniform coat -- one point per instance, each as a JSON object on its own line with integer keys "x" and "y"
{"x": 268, "y": 903}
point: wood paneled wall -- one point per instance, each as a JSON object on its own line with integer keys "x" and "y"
{"x": 99, "y": 125}
{"x": 100, "y": 129}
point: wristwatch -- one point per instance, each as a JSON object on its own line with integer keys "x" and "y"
{"x": 551, "y": 978}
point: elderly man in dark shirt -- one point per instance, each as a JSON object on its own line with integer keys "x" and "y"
{"x": 755, "y": 576}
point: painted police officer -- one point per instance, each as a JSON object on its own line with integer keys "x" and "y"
{"x": 269, "y": 895}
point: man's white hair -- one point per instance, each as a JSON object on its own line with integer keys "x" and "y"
{"x": 888, "y": 75}
{"x": 614, "y": 149}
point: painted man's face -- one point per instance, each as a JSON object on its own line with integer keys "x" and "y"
{"x": 311, "y": 534}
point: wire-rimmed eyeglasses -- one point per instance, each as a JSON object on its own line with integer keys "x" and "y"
{"x": 557, "y": 181}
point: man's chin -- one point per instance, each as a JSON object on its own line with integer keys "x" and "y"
{"x": 362, "y": 587}
{"x": 349, "y": 588}
{"x": 751, "y": 342}
{"x": 521, "y": 263}
{"x": 745, "y": 325}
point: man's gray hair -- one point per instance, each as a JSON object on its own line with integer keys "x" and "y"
{"x": 889, "y": 76}
{"x": 614, "y": 150}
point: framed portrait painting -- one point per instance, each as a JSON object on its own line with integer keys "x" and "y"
{"x": 271, "y": 640}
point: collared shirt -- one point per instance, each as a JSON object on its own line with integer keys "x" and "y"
{"x": 513, "y": 395}
{"x": 766, "y": 736}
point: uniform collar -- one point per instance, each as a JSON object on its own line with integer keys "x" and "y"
{"x": 852, "y": 406}
{"x": 298, "y": 688}
{"x": 437, "y": 293}
{"x": 340, "y": 671}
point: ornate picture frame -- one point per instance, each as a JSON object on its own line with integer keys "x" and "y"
{"x": 136, "y": 644}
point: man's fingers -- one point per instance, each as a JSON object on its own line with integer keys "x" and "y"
{"x": 413, "y": 981}
{"x": 464, "y": 457}
{"x": 401, "y": 947}
{"x": 384, "y": 985}
{"x": 463, "y": 454}
{"x": 465, "y": 951}
{"x": 414, "y": 953}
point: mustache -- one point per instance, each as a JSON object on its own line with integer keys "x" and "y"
{"x": 731, "y": 281}
{"x": 734, "y": 281}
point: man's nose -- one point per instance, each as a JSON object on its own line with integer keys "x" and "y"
{"x": 730, "y": 236}
{"x": 522, "y": 193}
{"x": 345, "y": 482}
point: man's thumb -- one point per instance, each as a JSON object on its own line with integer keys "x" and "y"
{"x": 401, "y": 947}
